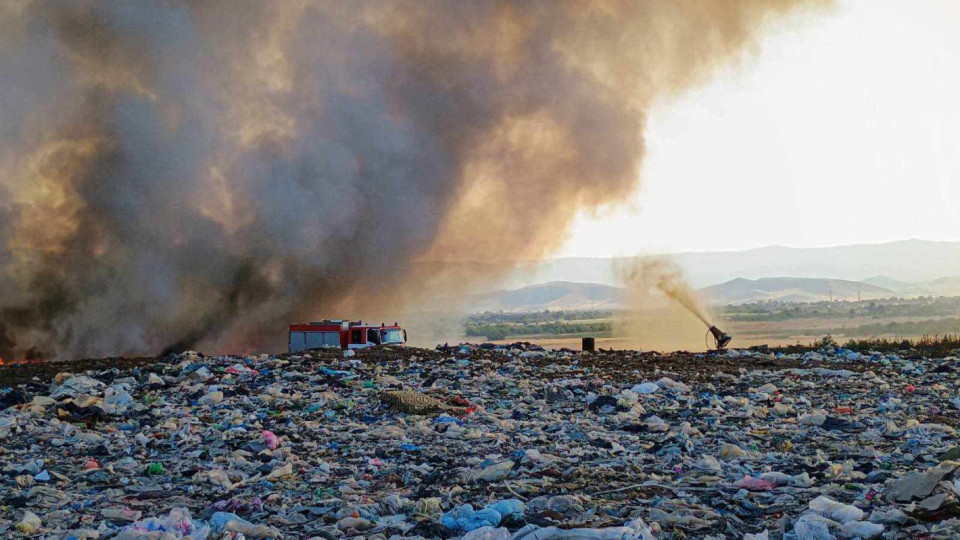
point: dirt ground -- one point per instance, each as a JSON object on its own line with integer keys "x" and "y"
{"x": 745, "y": 335}
{"x": 620, "y": 364}
{"x": 626, "y": 343}
{"x": 18, "y": 373}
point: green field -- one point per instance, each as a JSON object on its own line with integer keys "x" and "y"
{"x": 774, "y": 322}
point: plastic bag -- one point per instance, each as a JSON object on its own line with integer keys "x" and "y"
{"x": 116, "y": 401}
{"x": 227, "y": 522}
{"x": 465, "y": 518}
{"x": 178, "y": 523}
{"x": 488, "y": 533}
{"x": 838, "y": 511}
{"x": 860, "y": 529}
{"x": 811, "y": 528}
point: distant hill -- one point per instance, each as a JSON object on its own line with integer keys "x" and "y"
{"x": 555, "y": 296}
{"x": 945, "y": 286}
{"x": 787, "y": 289}
{"x": 909, "y": 261}
{"x": 567, "y": 295}
{"x": 888, "y": 282}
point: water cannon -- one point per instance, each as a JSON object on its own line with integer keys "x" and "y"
{"x": 721, "y": 338}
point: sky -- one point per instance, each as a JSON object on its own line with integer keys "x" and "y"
{"x": 842, "y": 127}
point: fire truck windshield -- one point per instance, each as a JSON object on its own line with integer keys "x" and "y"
{"x": 392, "y": 335}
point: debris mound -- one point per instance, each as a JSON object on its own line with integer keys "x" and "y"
{"x": 413, "y": 402}
{"x": 390, "y": 443}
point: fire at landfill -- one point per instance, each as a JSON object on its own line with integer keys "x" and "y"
{"x": 180, "y": 175}
{"x": 217, "y": 176}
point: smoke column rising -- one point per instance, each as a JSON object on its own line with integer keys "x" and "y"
{"x": 182, "y": 174}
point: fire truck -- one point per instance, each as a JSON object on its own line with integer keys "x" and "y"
{"x": 343, "y": 334}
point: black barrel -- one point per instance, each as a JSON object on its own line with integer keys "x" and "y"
{"x": 588, "y": 344}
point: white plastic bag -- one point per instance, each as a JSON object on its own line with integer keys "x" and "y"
{"x": 844, "y": 513}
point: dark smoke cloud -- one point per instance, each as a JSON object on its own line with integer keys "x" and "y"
{"x": 177, "y": 174}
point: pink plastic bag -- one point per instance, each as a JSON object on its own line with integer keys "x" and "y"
{"x": 240, "y": 369}
{"x": 271, "y": 439}
{"x": 754, "y": 484}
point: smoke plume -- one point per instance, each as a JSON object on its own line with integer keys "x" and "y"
{"x": 177, "y": 174}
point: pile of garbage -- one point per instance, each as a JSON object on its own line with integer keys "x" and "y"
{"x": 483, "y": 442}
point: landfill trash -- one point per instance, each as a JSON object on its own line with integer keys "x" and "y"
{"x": 413, "y": 402}
{"x": 754, "y": 484}
{"x": 860, "y": 529}
{"x": 635, "y": 529}
{"x": 270, "y": 439}
{"x": 465, "y": 518}
{"x": 177, "y": 525}
{"x": 488, "y": 533}
{"x": 121, "y": 514}
{"x": 483, "y": 442}
{"x": 918, "y": 485}
{"x": 496, "y": 472}
{"x": 645, "y": 388}
{"x": 229, "y": 522}
{"x": 77, "y": 386}
{"x": 836, "y": 511}
{"x": 29, "y": 524}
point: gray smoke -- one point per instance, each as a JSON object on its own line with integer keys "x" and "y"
{"x": 177, "y": 174}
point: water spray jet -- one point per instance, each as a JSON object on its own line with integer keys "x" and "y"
{"x": 721, "y": 338}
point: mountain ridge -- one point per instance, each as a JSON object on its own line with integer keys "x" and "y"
{"x": 789, "y": 289}
{"x": 569, "y": 295}
{"x": 903, "y": 260}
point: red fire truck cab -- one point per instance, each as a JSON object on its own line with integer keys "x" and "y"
{"x": 343, "y": 334}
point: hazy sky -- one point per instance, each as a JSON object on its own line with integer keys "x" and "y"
{"x": 842, "y": 128}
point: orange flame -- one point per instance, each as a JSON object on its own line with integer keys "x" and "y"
{"x": 20, "y": 361}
